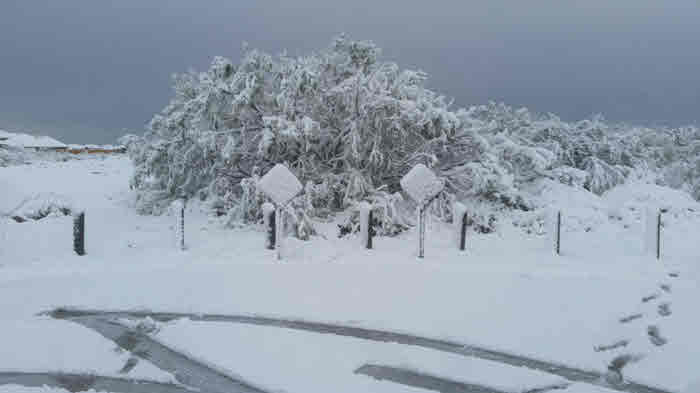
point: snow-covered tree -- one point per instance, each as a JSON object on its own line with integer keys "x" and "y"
{"x": 350, "y": 125}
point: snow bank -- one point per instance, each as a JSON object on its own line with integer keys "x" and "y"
{"x": 657, "y": 197}
{"x": 280, "y": 184}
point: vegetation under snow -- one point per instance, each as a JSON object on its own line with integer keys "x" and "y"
{"x": 349, "y": 125}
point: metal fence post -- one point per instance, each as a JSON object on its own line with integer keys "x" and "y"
{"x": 658, "y": 236}
{"x": 558, "y": 233}
{"x": 271, "y": 230}
{"x": 463, "y": 233}
{"x": 182, "y": 225}
{"x": 421, "y": 231}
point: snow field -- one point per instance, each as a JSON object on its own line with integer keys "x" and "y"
{"x": 300, "y": 361}
{"x": 507, "y": 292}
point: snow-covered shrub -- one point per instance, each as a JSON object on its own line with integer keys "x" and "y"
{"x": 602, "y": 176}
{"x": 42, "y": 205}
{"x": 10, "y": 156}
{"x": 350, "y": 125}
{"x": 345, "y": 122}
{"x": 129, "y": 141}
{"x": 390, "y": 212}
{"x": 570, "y": 176}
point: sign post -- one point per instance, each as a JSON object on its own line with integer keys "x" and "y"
{"x": 421, "y": 184}
{"x": 280, "y": 185}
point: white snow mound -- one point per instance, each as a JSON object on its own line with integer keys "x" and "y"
{"x": 637, "y": 194}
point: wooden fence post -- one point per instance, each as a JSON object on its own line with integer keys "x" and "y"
{"x": 271, "y": 231}
{"x": 279, "y": 223}
{"x": 268, "y": 210}
{"x": 181, "y": 239}
{"x": 370, "y": 229}
{"x": 79, "y": 233}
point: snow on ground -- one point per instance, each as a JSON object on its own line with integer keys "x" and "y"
{"x": 42, "y": 344}
{"x": 507, "y": 292}
{"x": 294, "y": 361}
{"x": 22, "y": 389}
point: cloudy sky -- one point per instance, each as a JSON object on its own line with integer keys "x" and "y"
{"x": 86, "y": 70}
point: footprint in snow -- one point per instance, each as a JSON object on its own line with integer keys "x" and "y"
{"x": 614, "y": 374}
{"x": 655, "y": 336}
{"x": 630, "y": 318}
{"x": 664, "y": 309}
{"x": 609, "y": 347}
{"x": 647, "y": 299}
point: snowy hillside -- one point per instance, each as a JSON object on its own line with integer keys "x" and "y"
{"x": 25, "y": 140}
{"x": 604, "y": 307}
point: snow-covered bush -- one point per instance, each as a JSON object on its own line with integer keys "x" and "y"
{"x": 10, "y": 156}
{"x": 602, "y": 176}
{"x": 349, "y": 125}
{"x": 42, "y": 205}
{"x": 346, "y": 123}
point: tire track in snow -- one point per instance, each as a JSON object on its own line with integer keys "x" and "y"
{"x": 84, "y": 382}
{"x": 570, "y": 373}
{"x": 420, "y": 380}
{"x": 187, "y": 370}
{"x": 426, "y": 381}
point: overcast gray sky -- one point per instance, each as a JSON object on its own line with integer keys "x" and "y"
{"x": 85, "y": 70}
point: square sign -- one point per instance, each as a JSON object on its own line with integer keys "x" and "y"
{"x": 280, "y": 184}
{"x": 421, "y": 184}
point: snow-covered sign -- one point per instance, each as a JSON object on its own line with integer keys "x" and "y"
{"x": 421, "y": 184}
{"x": 280, "y": 184}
